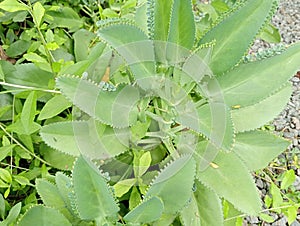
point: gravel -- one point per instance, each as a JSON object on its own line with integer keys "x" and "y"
{"x": 287, "y": 123}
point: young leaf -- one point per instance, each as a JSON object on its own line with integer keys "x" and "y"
{"x": 288, "y": 179}
{"x": 174, "y": 184}
{"x": 53, "y": 107}
{"x": 258, "y": 148}
{"x": 117, "y": 108}
{"x": 231, "y": 174}
{"x": 38, "y": 13}
{"x": 43, "y": 216}
{"x": 93, "y": 194}
{"x": 243, "y": 24}
{"x": 123, "y": 186}
{"x": 148, "y": 211}
{"x": 12, "y": 215}
{"x": 182, "y": 25}
{"x": 255, "y": 116}
{"x": 51, "y": 197}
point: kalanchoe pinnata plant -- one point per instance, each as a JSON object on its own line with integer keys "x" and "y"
{"x": 178, "y": 131}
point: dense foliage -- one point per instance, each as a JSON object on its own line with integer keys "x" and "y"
{"x": 140, "y": 112}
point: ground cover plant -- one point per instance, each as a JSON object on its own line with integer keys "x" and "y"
{"x": 156, "y": 119}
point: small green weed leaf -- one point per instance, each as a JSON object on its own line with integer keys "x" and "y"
{"x": 21, "y": 180}
{"x": 13, "y": 6}
{"x": 51, "y": 196}
{"x": 64, "y": 17}
{"x": 38, "y": 13}
{"x": 92, "y": 139}
{"x": 148, "y": 211}
{"x": 267, "y": 218}
{"x": 144, "y": 163}
{"x": 225, "y": 178}
{"x": 17, "y": 48}
{"x": 174, "y": 184}
{"x": 117, "y": 108}
{"x": 258, "y": 148}
{"x": 250, "y": 83}
{"x": 28, "y": 75}
{"x": 255, "y": 116}
{"x": 123, "y": 186}
{"x": 231, "y": 214}
{"x": 276, "y": 196}
{"x": 270, "y": 34}
{"x": 26, "y": 124}
{"x": 288, "y": 179}
{"x": 54, "y": 106}
{"x": 5, "y": 150}
{"x": 243, "y": 24}
{"x": 2, "y": 206}
{"x": 82, "y": 39}
{"x": 12, "y": 215}
{"x": 291, "y": 214}
{"x": 182, "y": 24}
{"x": 135, "y": 198}
{"x": 93, "y": 194}
{"x": 5, "y": 176}
{"x": 43, "y": 216}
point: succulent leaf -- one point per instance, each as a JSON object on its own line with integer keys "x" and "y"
{"x": 249, "y": 83}
{"x": 258, "y": 148}
{"x": 241, "y": 27}
{"x": 93, "y": 194}
{"x": 256, "y": 115}
{"x": 230, "y": 179}
{"x": 174, "y": 184}
{"x": 205, "y": 208}
{"x": 118, "y": 108}
{"x": 89, "y": 138}
{"x": 148, "y": 211}
{"x": 43, "y": 216}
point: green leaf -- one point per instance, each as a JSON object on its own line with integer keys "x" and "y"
{"x": 43, "y": 216}
{"x": 64, "y": 186}
{"x": 291, "y": 214}
{"x": 288, "y": 179}
{"x": 117, "y": 108}
{"x": 144, "y": 163}
{"x": 182, "y": 25}
{"x": 26, "y": 124}
{"x": 28, "y": 75}
{"x": 90, "y": 138}
{"x": 148, "y": 211}
{"x": 17, "y": 48}
{"x": 231, "y": 173}
{"x": 174, "y": 184}
{"x": 205, "y": 208}
{"x": 123, "y": 186}
{"x": 5, "y": 150}
{"x": 38, "y": 13}
{"x": 255, "y": 116}
{"x": 13, "y": 6}
{"x": 250, "y": 83}
{"x": 258, "y": 148}
{"x": 51, "y": 197}
{"x": 276, "y": 195}
{"x": 12, "y": 215}
{"x": 241, "y": 26}
{"x": 267, "y": 218}
{"x": 141, "y": 63}
{"x": 93, "y": 195}
{"x": 63, "y": 17}
{"x": 135, "y": 198}
{"x": 54, "y": 106}
{"x": 5, "y": 176}
{"x": 82, "y": 39}
{"x": 270, "y": 34}
{"x": 2, "y": 206}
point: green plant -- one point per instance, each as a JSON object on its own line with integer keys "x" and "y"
{"x": 174, "y": 126}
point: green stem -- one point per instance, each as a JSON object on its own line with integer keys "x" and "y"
{"x": 26, "y": 88}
